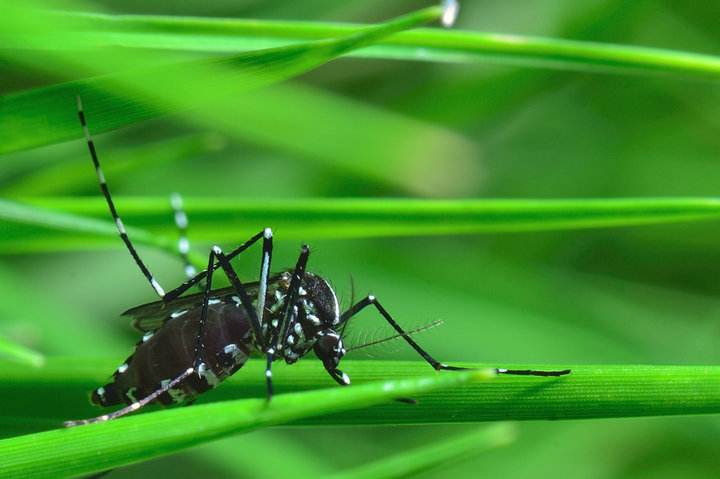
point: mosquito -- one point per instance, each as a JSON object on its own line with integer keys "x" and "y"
{"x": 192, "y": 342}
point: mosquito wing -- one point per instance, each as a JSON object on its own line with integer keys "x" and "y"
{"x": 151, "y": 316}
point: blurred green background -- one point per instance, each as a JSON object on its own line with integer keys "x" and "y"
{"x": 630, "y": 295}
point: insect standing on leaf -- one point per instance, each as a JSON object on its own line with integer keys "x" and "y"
{"x": 193, "y": 342}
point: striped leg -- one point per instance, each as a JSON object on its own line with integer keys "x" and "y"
{"x": 181, "y": 221}
{"x": 279, "y": 341}
{"x": 134, "y": 406}
{"x": 108, "y": 198}
{"x": 372, "y": 301}
{"x": 265, "y": 234}
{"x": 256, "y": 316}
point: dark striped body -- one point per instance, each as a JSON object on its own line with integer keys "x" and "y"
{"x": 164, "y": 354}
{"x": 168, "y": 347}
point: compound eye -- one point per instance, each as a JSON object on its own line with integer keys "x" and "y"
{"x": 329, "y": 348}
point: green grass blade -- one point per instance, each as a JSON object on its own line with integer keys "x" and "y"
{"x": 432, "y": 456}
{"x": 232, "y": 35}
{"x": 94, "y": 448}
{"x": 71, "y": 223}
{"x": 67, "y": 175}
{"x": 12, "y": 213}
{"x": 215, "y": 87}
{"x": 603, "y": 391}
{"x": 19, "y": 353}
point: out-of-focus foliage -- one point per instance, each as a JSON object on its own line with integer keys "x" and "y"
{"x": 380, "y": 128}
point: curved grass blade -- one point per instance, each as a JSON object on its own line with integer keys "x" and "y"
{"x": 53, "y": 224}
{"x": 438, "y": 453}
{"x": 20, "y": 354}
{"x": 232, "y": 35}
{"x": 213, "y": 87}
{"x": 601, "y": 391}
{"x": 98, "y": 447}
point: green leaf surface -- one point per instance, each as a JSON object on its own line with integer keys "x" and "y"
{"x": 434, "y": 455}
{"x": 67, "y": 175}
{"x": 53, "y": 224}
{"x": 601, "y": 391}
{"x": 214, "y": 87}
{"x": 232, "y": 35}
{"x": 97, "y": 447}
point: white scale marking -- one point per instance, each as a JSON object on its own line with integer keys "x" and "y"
{"x": 262, "y": 290}
{"x": 131, "y": 394}
{"x": 176, "y": 201}
{"x": 147, "y": 336}
{"x": 231, "y": 349}
{"x": 100, "y": 175}
{"x": 156, "y": 286}
{"x": 120, "y": 226}
{"x": 181, "y": 219}
{"x": 208, "y": 374}
{"x": 183, "y": 245}
{"x": 177, "y": 314}
{"x": 450, "y": 12}
{"x": 122, "y": 368}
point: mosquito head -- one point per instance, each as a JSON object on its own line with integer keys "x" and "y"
{"x": 330, "y": 350}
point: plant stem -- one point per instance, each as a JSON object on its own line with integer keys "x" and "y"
{"x": 589, "y": 392}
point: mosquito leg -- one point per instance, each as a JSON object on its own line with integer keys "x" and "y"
{"x": 255, "y": 320}
{"x": 245, "y": 300}
{"x": 277, "y": 342}
{"x": 181, "y": 221}
{"x": 290, "y": 313}
{"x": 199, "y": 350}
{"x": 108, "y": 198}
{"x": 134, "y": 406}
{"x": 371, "y": 300}
{"x": 175, "y": 293}
{"x": 268, "y": 373}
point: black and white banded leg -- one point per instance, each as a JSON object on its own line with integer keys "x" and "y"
{"x": 255, "y": 315}
{"x": 277, "y": 341}
{"x": 106, "y": 193}
{"x": 372, "y": 300}
{"x": 290, "y": 313}
{"x": 134, "y": 406}
{"x": 199, "y": 350}
{"x": 181, "y": 221}
{"x": 265, "y": 234}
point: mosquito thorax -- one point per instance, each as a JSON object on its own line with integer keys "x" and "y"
{"x": 316, "y": 309}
